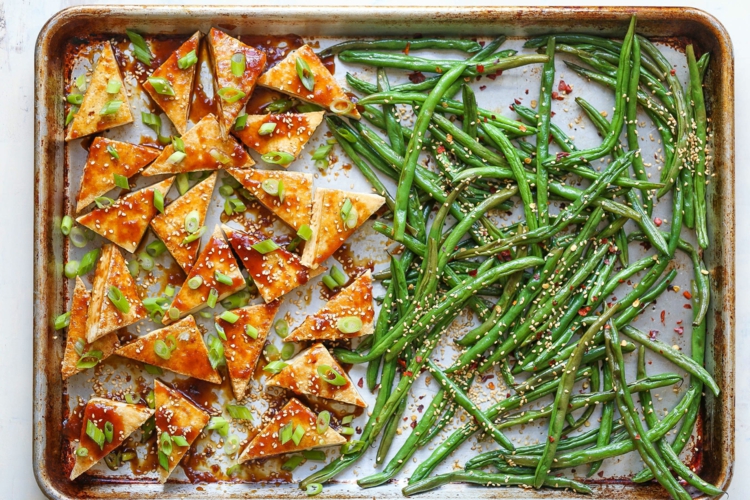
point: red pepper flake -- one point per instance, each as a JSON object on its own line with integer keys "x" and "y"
{"x": 564, "y": 87}
{"x": 557, "y": 96}
{"x": 600, "y": 473}
{"x": 658, "y": 221}
{"x": 687, "y": 306}
{"x": 663, "y": 315}
{"x": 552, "y": 114}
{"x": 420, "y": 408}
{"x": 498, "y": 73}
{"x": 402, "y": 363}
{"x": 480, "y": 68}
{"x": 652, "y": 334}
{"x": 360, "y": 383}
{"x": 561, "y": 154}
{"x": 473, "y": 273}
{"x": 504, "y": 256}
{"x": 483, "y": 87}
{"x": 526, "y": 91}
{"x": 510, "y": 108}
{"x": 491, "y": 386}
{"x": 584, "y": 310}
{"x": 481, "y": 43}
{"x": 441, "y": 149}
{"x": 687, "y": 295}
{"x": 673, "y": 72}
{"x": 417, "y": 77}
{"x": 550, "y": 139}
{"x": 413, "y": 424}
{"x": 486, "y": 377}
{"x": 517, "y": 100}
{"x": 637, "y": 437}
{"x": 408, "y": 46}
{"x": 507, "y": 395}
{"x": 551, "y": 439}
{"x": 679, "y": 330}
{"x": 408, "y": 373}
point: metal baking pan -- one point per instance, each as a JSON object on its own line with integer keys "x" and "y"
{"x": 675, "y": 26}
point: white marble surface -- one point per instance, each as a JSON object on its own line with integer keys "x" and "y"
{"x": 20, "y": 22}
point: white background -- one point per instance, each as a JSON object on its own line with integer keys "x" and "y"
{"x": 20, "y": 22}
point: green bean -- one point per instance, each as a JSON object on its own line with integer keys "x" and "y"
{"x": 369, "y": 88}
{"x": 381, "y": 325}
{"x": 469, "y": 46}
{"x": 390, "y": 432}
{"x": 485, "y": 479}
{"x": 703, "y": 65}
{"x": 446, "y": 417}
{"x": 632, "y": 123}
{"x": 543, "y": 132}
{"x": 470, "y": 111}
{"x": 700, "y": 127}
{"x": 597, "y": 286}
{"x": 455, "y": 392}
{"x": 560, "y": 408}
{"x": 607, "y": 419}
{"x": 559, "y": 136}
{"x": 409, "y": 242}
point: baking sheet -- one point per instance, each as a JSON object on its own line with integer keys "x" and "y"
{"x": 366, "y": 245}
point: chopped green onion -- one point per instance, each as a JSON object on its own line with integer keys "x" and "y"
{"x": 322, "y": 152}
{"x": 82, "y": 452}
{"x": 215, "y": 352}
{"x": 109, "y": 431}
{"x": 118, "y": 299}
{"x": 232, "y": 445}
{"x": 205, "y": 314}
{"x": 282, "y": 328}
{"x": 71, "y": 269}
{"x": 213, "y": 296}
{"x": 346, "y": 209}
{"x": 250, "y": 331}
{"x": 280, "y": 105}
{"x": 231, "y": 182}
{"x": 292, "y": 246}
{"x": 270, "y": 186}
{"x": 275, "y": 367}
{"x": 318, "y": 455}
{"x": 265, "y": 246}
{"x": 267, "y": 128}
{"x": 313, "y": 489}
{"x": 128, "y": 456}
{"x": 161, "y": 85}
{"x": 285, "y": 433}
{"x": 182, "y": 179}
{"x": 230, "y": 94}
{"x": 79, "y": 346}
{"x": 77, "y": 237}
{"x": 321, "y": 165}
{"x": 178, "y": 144}
{"x": 163, "y": 460}
{"x": 347, "y": 135}
{"x": 153, "y": 121}
{"x": 306, "y": 107}
{"x": 238, "y": 64}
{"x": 229, "y": 317}
{"x": 341, "y": 106}
{"x": 305, "y": 232}
{"x": 346, "y": 431}
{"x": 120, "y": 180}
{"x": 195, "y": 236}
{"x": 176, "y": 158}
{"x": 173, "y": 313}
{"x": 330, "y": 282}
{"x": 305, "y": 74}
{"x": 223, "y": 278}
{"x": 134, "y": 267}
{"x": 349, "y": 324}
{"x": 233, "y": 469}
{"x": 195, "y": 282}
{"x": 271, "y": 353}
{"x": 241, "y": 122}
{"x": 287, "y": 352}
{"x": 226, "y": 191}
{"x": 75, "y": 99}
{"x": 234, "y": 205}
{"x": 339, "y": 276}
{"x": 63, "y": 321}
{"x": 220, "y": 425}
{"x": 132, "y": 399}
{"x": 192, "y": 221}
{"x": 293, "y": 463}
{"x": 88, "y": 262}
{"x": 347, "y": 419}
{"x": 220, "y": 330}
{"x": 352, "y": 446}
{"x": 331, "y": 376}
{"x": 236, "y": 300}
{"x": 71, "y": 114}
{"x": 159, "y": 201}
{"x": 81, "y": 83}
{"x": 180, "y": 441}
{"x": 239, "y": 412}
{"x": 111, "y": 107}
{"x": 95, "y": 433}
{"x": 278, "y": 157}
{"x": 113, "y": 86}
{"x": 281, "y": 191}
{"x": 187, "y": 60}
{"x": 156, "y": 248}
{"x": 299, "y": 433}
{"x": 146, "y": 262}
{"x": 141, "y": 50}
{"x": 169, "y": 291}
{"x": 152, "y": 370}
{"x": 161, "y": 349}
{"x": 66, "y": 225}
{"x": 103, "y": 201}
{"x": 220, "y": 156}
{"x": 165, "y": 443}
{"x": 323, "y": 422}
{"x": 89, "y": 360}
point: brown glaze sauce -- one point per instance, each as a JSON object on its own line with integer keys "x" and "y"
{"x": 276, "y": 47}
{"x": 353, "y": 266}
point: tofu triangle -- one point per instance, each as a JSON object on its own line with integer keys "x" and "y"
{"x": 301, "y": 376}
{"x": 330, "y": 230}
{"x": 268, "y": 441}
{"x": 170, "y": 225}
{"x": 222, "y": 48}
{"x": 103, "y": 317}
{"x": 76, "y": 346}
{"x": 89, "y": 118}
{"x": 101, "y": 167}
{"x": 215, "y": 257}
{"x": 354, "y": 300}
{"x": 240, "y": 349}
{"x": 188, "y": 356}
{"x": 325, "y": 92}
{"x": 125, "y": 419}
{"x": 295, "y": 208}
{"x": 290, "y": 133}
{"x": 125, "y": 221}
{"x": 177, "y": 106}
{"x": 177, "y": 416}
{"x": 205, "y": 149}
{"x": 275, "y": 273}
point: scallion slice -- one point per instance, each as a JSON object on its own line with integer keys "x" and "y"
{"x": 176, "y": 158}
{"x": 182, "y": 181}
{"x": 226, "y": 191}
{"x": 81, "y": 83}
{"x": 134, "y": 267}
{"x": 330, "y": 282}
{"x": 220, "y": 425}
{"x": 159, "y": 201}
{"x": 215, "y": 352}
{"x": 275, "y": 366}
{"x": 339, "y": 276}
{"x": 352, "y": 446}
{"x": 195, "y": 282}
{"x": 250, "y": 331}
{"x": 89, "y": 360}
{"x": 79, "y": 347}
{"x": 141, "y": 50}
{"x": 173, "y": 313}
{"x": 322, "y": 152}
{"x": 347, "y": 419}
{"x": 195, "y": 236}
{"x": 307, "y": 107}
{"x": 157, "y": 247}
{"x": 222, "y": 278}
{"x": 236, "y": 300}
{"x": 265, "y": 246}
{"x": 88, "y": 262}
{"x": 287, "y": 352}
{"x": 318, "y": 455}
{"x": 270, "y": 186}
{"x": 234, "y": 205}
{"x": 271, "y": 353}
{"x": 180, "y": 441}
{"x": 146, "y": 261}
{"x": 163, "y": 460}
{"x": 66, "y": 225}
{"x": 341, "y": 106}
{"x": 349, "y": 324}
{"x": 75, "y": 99}
{"x": 331, "y": 376}
{"x": 323, "y": 422}
{"x": 161, "y": 349}
{"x": 121, "y": 181}
{"x": 113, "y": 86}
{"x": 77, "y": 237}
{"x": 347, "y": 135}
{"x": 313, "y": 489}
{"x": 233, "y": 469}
{"x": 109, "y": 431}
{"x": 241, "y": 122}
{"x": 63, "y": 321}
{"x": 220, "y": 156}
{"x": 346, "y": 431}
{"x": 280, "y": 105}
{"x": 71, "y": 269}
{"x": 187, "y": 60}
{"x": 229, "y": 317}
{"x": 278, "y": 157}
{"x": 178, "y": 144}
{"x": 192, "y": 221}
{"x": 82, "y": 452}
{"x": 238, "y": 64}
{"x": 169, "y": 291}
{"x": 232, "y": 445}
{"x": 118, "y": 299}
{"x": 299, "y": 433}
{"x": 165, "y": 443}
{"x": 282, "y": 328}
{"x": 267, "y": 128}
{"x": 293, "y": 463}
{"x": 132, "y": 399}
{"x": 111, "y": 107}
{"x": 152, "y": 370}
{"x": 71, "y": 114}
{"x": 161, "y": 85}
{"x": 153, "y": 121}
{"x": 305, "y": 74}
{"x": 239, "y": 412}
{"x": 205, "y": 314}
{"x": 305, "y": 232}
{"x": 103, "y": 201}
{"x": 292, "y": 246}
{"x": 95, "y": 433}
{"x": 285, "y": 433}
{"x": 230, "y": 94}
{"x": 213, "y": 296}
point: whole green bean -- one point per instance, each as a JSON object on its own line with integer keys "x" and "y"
{"x": 486, "y": 479}
{"x": 606, "y": 420}
{"x": 469, "y": 46}
{"x": 543, "y": 132}
{"x": 470, "y": 111}
{"x": 699, "y": 116}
